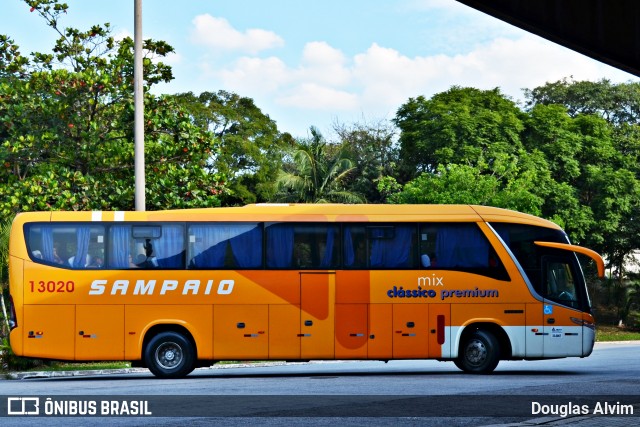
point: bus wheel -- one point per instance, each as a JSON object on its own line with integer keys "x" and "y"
{"x": 169, "y": 355}
{"x": 479, "y": 353}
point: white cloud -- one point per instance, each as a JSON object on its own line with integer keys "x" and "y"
{"x": 251, "y": 76}
{"x": 172, "y": 59}
{"x": 218, "y": 34}
{"x": 312, "y": 96}
{"x": 379, "y": 80}
{"x": 318, "y": 82}
{"x": 387, "y": 78}
{"x": 323, "y": 64}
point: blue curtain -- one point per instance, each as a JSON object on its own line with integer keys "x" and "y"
{"x": 349, "y": 252}
{"x": 80, "y": 259}
{"x": 119, "y": 248}
{"x": 169, "y": 248}
{"x": 394, "y": 252}
{"x": 47, "y": 243}
{"x": 214, "y": 240}
{"x": 279, "y": 245}
{"x": 211, "y": 246}
{"x": 461, "y": 246}
{"x": 247, "y": 245}
{"x": 327, "y": 259}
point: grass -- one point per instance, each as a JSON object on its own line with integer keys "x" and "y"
{"x": 89, "y": 366}
{"x": 614, "y": 333}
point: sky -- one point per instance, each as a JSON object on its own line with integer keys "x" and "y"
{"x": 318, "y": 63}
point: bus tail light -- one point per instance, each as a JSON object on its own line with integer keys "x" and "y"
{"x": 584, "y": 323}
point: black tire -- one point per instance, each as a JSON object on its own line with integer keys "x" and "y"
{"x": 170, "y": 355}
{"x": 479, "y": 353}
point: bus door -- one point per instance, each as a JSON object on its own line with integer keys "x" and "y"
{"x": 317, "y": 313}
{"x": 562, "y": 320}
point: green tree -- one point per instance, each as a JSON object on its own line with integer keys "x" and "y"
{"x": 373, "y": 150}
{"x": 464, "y": 184}
{"x": 588, "y": 132}
{"x": 459, "y": 126}
{"x": 5, "y": 227}
{"x": 66, "y": 126}
{"x": 251, "y": 148}
{"x": 616, "y": 103}
{"x": 316, "y": 173}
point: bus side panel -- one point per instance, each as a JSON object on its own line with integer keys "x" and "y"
{"x": 317, "y": 315}
{"x": 16, "y": 285}
{"x": 284, "y": 331}
{"x": 380, "y": 331}
{"x": 99, "y": 332}
{"x": 562, "y": 335}
{"x": 351, "y": 331}
{"x": 535, "y": 331}
{"x": 197, "y": 319}
{"x": 352, "y": 287}
{"x": 410, "y": 331}
{"x": 240, "y": 332}
{"x": 48, "y": 331}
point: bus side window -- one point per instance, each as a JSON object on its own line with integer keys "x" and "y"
{"x": 146, "y": 246}
{"x": 459, "y": 246}
{"x": 379, "y": 246}
{"x": 72, "y": 245}
{"x": 159, "y": 246}
{"x": 315, "y": 246}
{"x": 225, "y": 245}
{"x": 354, "y": 247}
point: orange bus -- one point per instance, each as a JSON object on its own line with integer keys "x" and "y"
{"x": 175, "y": 290}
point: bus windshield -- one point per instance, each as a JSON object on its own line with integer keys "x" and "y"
{"x": 555, "y": 274}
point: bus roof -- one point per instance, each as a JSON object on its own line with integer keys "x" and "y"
{"x": 269, "y": 212}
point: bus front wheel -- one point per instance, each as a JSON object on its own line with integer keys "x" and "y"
{"x": 479, "y": 353}
{"x": 169, "y": 355}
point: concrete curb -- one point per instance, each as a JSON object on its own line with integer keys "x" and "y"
{"x": 62, "y": 374}
{"x": 93, "y": 372}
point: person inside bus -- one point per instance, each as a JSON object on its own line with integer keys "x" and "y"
{"x": 98, "y": 262}
{"x": 428, "y": 261}
{"x": 87, "y": 260}
{"x": 425, "y": 260}
{"x": 132, "y": 264}
{"x": 151, "y": 260}
{"x": 141, "y": 261}
{"x": 56, "y": 257}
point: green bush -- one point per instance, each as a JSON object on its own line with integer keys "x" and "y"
{"x": 10, "y": 362}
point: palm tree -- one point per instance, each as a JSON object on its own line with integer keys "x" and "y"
{"x": 316, "y": 174}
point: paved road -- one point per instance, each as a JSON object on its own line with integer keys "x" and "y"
{"x": 399, "y": 393}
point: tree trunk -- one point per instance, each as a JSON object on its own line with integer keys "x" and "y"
{"x": 5, "y": 324}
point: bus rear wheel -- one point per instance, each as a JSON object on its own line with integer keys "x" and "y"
{"x": 479, "y": 353}
{"x": 170, "y": 355}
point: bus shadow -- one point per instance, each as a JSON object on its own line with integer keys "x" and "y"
{"x": 234, "y": 373}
